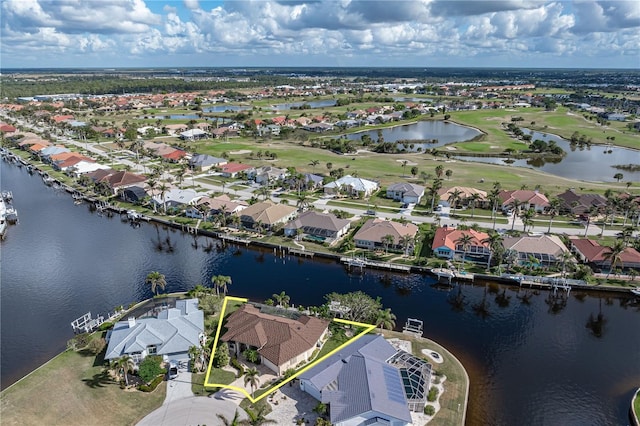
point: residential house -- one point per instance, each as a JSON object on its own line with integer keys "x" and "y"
{"x": 446, "y": 244}
{"x": 85, "y": 167}
{"x": 268, "y": 174}
{"x": 177, "y": 198}
{"x": 354, "y": 186}
{"x": 268, "y": 214}
{"x": 204, "y": 162}
{"x": 574, "y": 203}
{"x": 371, "y": 235}
{"x": 174, "y": 156}
{"x": 193, "y": 134}
{"x": 465, "y": 195}
{"x": 545, "y": 250}
{"x": 219, "y": 204}
{"x": 405, "y": 192}
{"x": 369, "y": 382}
{"x": 318, "y": 225}
{"x": 170, "y": 334}
{"x": 174, "y": 129}
{"x": 232, "y": 170}
{"x": 527, "y": 198}
{"x": 134, "y": 194}
{"x": 117, "y": 180}
{"x": 591, "y": 252}
{"x": 282, "y": 342}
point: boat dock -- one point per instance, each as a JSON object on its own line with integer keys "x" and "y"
{"x": 87, "y": 324}
{"x": 300, "y": 252}
{"x": 366, "y": 263}
{"x": 451, "y": 274}
{"x": 227, "y": 237}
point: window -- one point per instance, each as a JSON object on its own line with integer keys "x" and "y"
{"x": 152, "y": 350}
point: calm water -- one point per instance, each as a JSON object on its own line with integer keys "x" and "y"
{"x": 527, "y": 366}
{"x": 594, "y": 163}
{"x": 312, "y": 104}
{"x": 444, "y": 132}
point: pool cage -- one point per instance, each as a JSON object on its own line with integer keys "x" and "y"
{"x": 416, "y": 378}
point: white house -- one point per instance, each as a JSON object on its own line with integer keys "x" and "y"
{"x": 354, "y": 186}
{"x": 405, "y": 192}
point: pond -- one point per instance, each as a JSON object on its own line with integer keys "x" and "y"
{"x": 593, "y": 163}
{"x": 443, "y": 132}
{"x": 224, "y": 108}
{"x": 313, "y": 104}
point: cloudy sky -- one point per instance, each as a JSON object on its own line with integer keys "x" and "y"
{"x": 423, "y": 33}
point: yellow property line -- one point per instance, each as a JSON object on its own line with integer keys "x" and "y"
{"x": 367, "y": 329}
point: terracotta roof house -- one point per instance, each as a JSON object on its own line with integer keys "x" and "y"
{"x": 574, "y": 203}
{"x": 444, "y": 244}
{"x": 266, "y": 213}
{"x": 173, "y": 129}
{"x": 282, "y": 342}
{"x": 370, "y": 235}
{"x": 369, "y": 382}
{"x": 590, "y": 251}
{"x": 204, "y": 162}
{"x": 117, "y": 179}
{"x": 356, "y": 187}
{"x": 7, "y": 128}
{"x": 529, "y": 199}
{"x": 465, "y": 195}
{"x": 170, "y": 334}
{"x": 318, "y": 225}
{"x": 405, "y": 192}
{"x": 233, "y": 169}
{"x": 547, "y": 249}
{"x": 175, "y": 156}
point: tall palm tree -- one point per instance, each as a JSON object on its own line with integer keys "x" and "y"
{"x": 494, "y": 199}
{"x": 454, "y": 197}
{"x": 233, "y": 422}
{"x": 614, "y": 255}
{"x": 527, "y": 219}
{"x": 156, "y": 279}
{"x": 124, "y": 364}
{"x": 314, "y": 163}
{"x": 433, "y": 191}
{"x": 554, "y": 208}
{"x": 406, "y": 241}
{"x": 387, "y": 240}
{"x": 256, "y": 418}
{"x": 252, "y": 378}
{"x": 282, "y": 299}
{"x": 385, "y": 319}
{"x": 221, "y": 282}
{"x": 465, "y": 241}
{"x": 473, "y": 200}
{"x": 515, "y": 205}
{"x": 495, "y": 245}
{"x": 163, "y": 188}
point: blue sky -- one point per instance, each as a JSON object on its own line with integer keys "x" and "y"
{"x": 245, "y": 33}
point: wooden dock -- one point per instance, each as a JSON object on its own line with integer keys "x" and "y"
{"x": 300, "y": 252}
{"x": 366, "y": 263}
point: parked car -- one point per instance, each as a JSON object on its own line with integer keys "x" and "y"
{"x": 173, "y": 371}
{"x": 370, "y": 213}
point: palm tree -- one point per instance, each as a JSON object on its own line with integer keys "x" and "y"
{"x": 163, "y": 188}
{"x": 494, "y": 199}
{"x": 252, "y": 378}
{"x": 473, "y": 199}
{"x": 221, "y": 282}
{"x": 385, "y": 319}
{"x": 614, "y": 255}
{"x": 256, "y": 418}
{"x": 156, "y": 279}
{"x": 439, "y": 170}
{"x": 454, "y": 197}
{"x": 527, "y": 219}
{"x": 404, "y": 166}
{"x": 406, "y": 241}
{"x": 495, "y": 245}
{"x": 124, "y": 364}
{"x": 465, "y": 241}
{"x": 387, "y": 240}
{"x": 554, "y": 207}
{"x": 592, "y": 212}
{"x": 433, "y": 191}
{"x": 234, "y": 422}
{"x": 314, "y": 163}
{"x": 515, "y": 205}
{"x": 282, "y": 299}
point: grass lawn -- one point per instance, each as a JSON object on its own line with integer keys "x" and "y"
{"x": 72, "y": 390}
{"x": 636, "y": 405}
{"x": 218, "y": 375}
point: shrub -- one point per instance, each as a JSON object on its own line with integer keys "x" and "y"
{"x": 251, "y": 355}
{"x": 97, "y": 345}
{"x": 150, "y": 368}
{"x": 105, "y": 326}
{"x": 429, "y": 410}
{"x": 236, "y": 364}
{"x": 153, "y": 385}
{"x": 79, "y": 341}
{"x": 221, "y": 358}
{"x": 433, "y": 394}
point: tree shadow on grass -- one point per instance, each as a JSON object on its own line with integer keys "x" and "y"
{"x": 100, "y": 380}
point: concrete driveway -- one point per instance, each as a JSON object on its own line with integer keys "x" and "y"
{"x": 182, "y": 408}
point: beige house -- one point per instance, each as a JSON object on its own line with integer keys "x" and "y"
{"x": 281, "y": 342}
{"x": 465, "y": 195}
{"x": 267, "y": 213}
{"x": 371, "y": 235}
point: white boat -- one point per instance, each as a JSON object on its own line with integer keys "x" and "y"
{"x": 3, "y": 219}
{"x": 636, "y": 291}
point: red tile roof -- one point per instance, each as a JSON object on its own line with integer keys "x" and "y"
{"x": 447, "y": 237}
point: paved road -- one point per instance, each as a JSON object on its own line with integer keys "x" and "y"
{"x": 182, "y": 408}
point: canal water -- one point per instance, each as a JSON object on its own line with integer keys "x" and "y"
{"x": 535, "y": 363}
